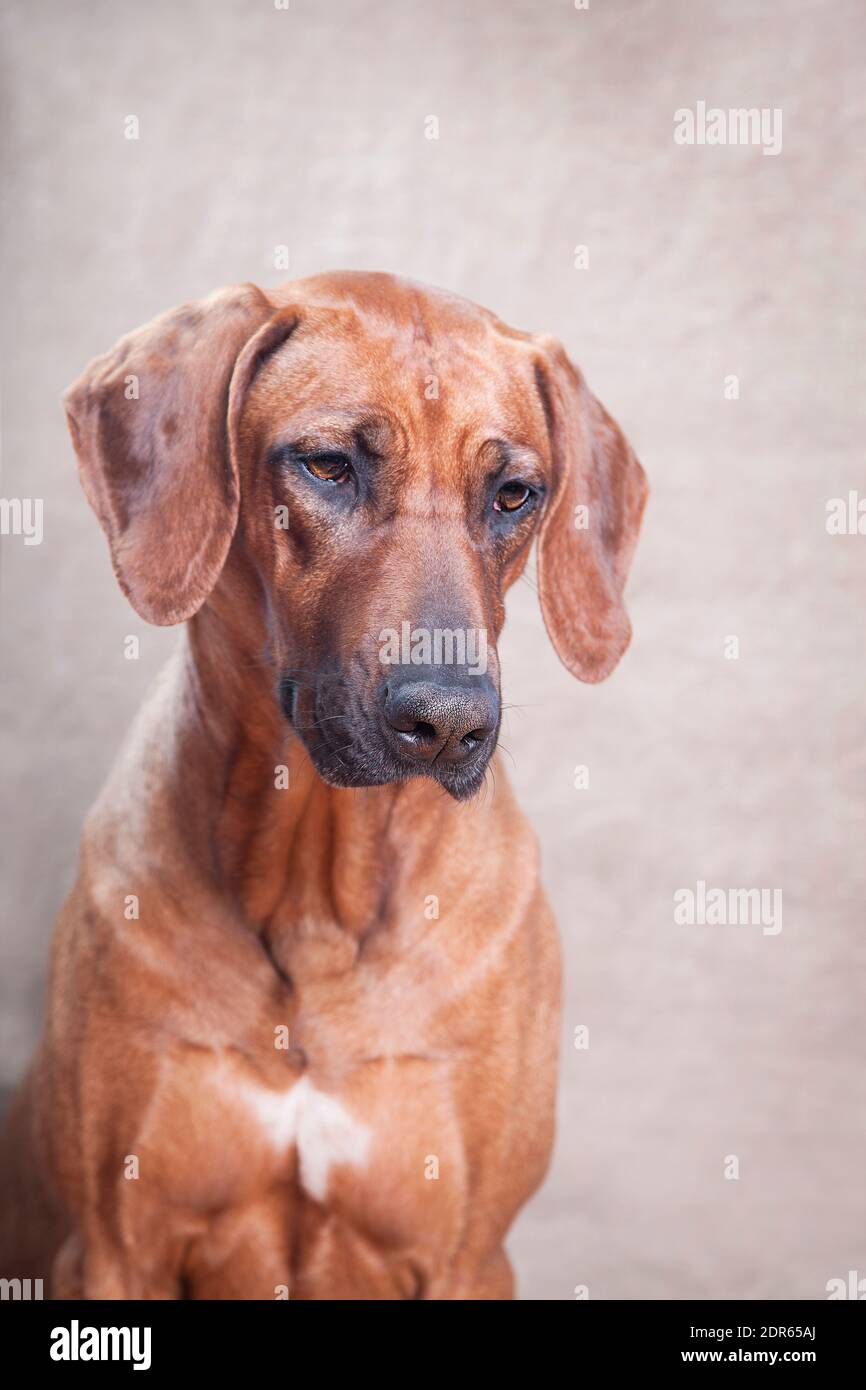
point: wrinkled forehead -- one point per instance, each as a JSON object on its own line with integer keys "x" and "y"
{"x": 397, "y": 383}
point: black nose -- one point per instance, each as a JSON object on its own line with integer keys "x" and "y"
{"x": 439, "y": 719}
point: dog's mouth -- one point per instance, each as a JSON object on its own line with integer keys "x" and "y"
{"x": 348, "y": 747}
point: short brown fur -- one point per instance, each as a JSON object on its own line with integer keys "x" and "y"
{"x": 261, "y": 908}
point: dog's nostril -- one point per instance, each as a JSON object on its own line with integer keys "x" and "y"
{"x": 406, "y": 722}
{"x": 474, "y": 736}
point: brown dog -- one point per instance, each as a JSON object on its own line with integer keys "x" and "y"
{"x": 302, "y": 1039}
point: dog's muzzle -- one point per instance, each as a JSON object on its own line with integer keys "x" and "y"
{"x": 420, "y": 722}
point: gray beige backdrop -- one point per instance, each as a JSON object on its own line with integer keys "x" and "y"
{"x": 307, "y": 128}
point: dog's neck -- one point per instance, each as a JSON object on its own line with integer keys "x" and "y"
{"x": 300, "y": 857}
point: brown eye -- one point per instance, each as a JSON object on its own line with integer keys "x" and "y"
{"x": 328, "y": 468}
{"x": 511, "y": 497}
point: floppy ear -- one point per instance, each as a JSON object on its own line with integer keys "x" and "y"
{"x": 149, "y": 424}
{"x": 591, "y": 524}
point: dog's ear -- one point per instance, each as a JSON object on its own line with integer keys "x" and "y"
{"x": 590, "y": 527}
{"x": 149, "y": 422}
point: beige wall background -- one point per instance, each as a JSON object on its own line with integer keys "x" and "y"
{"x": 306, "y": 128}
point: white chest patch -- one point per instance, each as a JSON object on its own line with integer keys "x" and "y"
{"x": 322, "y": 1128}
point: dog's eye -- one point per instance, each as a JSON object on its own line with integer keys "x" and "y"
{"x": 511, "y": 497}
{"x": 328, "y": 468}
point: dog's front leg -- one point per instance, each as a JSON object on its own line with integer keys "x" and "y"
{"x": 95, "y": 1268}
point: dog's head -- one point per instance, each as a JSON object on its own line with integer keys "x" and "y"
{"x": 379, "y": 458}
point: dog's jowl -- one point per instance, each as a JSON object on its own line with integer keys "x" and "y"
{"x": 283, "y": 1071}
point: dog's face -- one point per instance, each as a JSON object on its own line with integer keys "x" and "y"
{"x": 394, "y": 468}
{"x": 379, "y": 457}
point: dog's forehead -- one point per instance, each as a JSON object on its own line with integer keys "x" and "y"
{"x": 391, "y": 304}
{"x": 363, "y": 340}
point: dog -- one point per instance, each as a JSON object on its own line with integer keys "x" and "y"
{"x": 301, "y": 1034}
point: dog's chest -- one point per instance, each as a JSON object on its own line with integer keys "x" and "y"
{"x": 320, "y": 1129}
{"x": 381, "y": 1148}
{"x": 345, "y": 1094}
{"x": 343, "y": 1091}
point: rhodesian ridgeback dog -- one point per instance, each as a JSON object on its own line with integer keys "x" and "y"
{"x": 301, "y": 1032}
